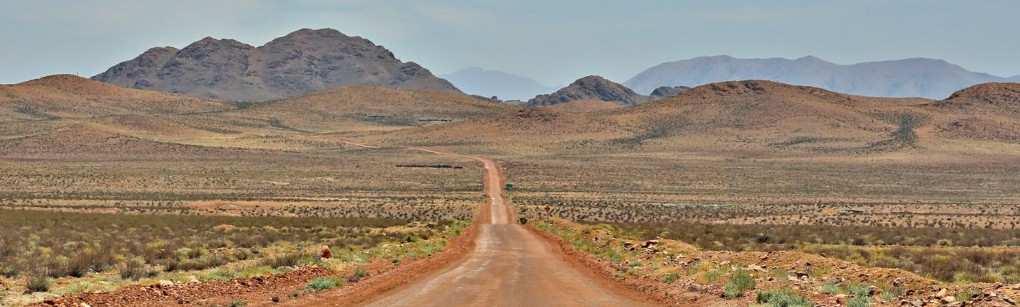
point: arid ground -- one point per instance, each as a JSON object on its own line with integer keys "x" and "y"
{"x": 730, "y": 194}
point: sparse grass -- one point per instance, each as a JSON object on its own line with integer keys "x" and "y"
{"x": 134, "y": 269}
{"x": 782, "y": 298}
{"x": 670, "y": 277}
{"x": 965, "y": 295}
{"x": 830, "y": 288}
{"x": 858, "y": 301}
{"x": 740, "y": 281}
{"x": 37, "y": 283}
{"x": 323, "y": 283}
{"x": 860, "y": 295}
{"x": 358, "y": 274}
{"x": 47, "y": 245}
{"x": 68, "y": 244}
{"x": 287, "y": 260}
{"x": 925, "y": 251}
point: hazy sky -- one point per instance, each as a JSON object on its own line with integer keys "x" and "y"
{"x": 553, "y": 41}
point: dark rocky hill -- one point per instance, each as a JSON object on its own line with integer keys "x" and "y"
{"x": 298, "y": 63}
{"x": 590, "y": 88}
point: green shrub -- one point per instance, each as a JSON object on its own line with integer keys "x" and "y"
{"x": 782, "y": 298}
{"x": 860, "y": 295}
{"x": 323, "y": 283}
{"x": 359, "y": 273}
{"x": 238, "y": 303}
{"x": 859, "y": 301}
{"x": 858, "y": 290}
{"x": 740, "y": 281}
{"x": 830, "y": 288}
{"x": 671, "y": 277}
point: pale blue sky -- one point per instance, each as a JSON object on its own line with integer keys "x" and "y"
{"x": 551, "y": 41}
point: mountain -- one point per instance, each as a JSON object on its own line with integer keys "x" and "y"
{"x": 590, "y": 88}
{"x": 1014, "y": 78}
{"x": 916, "y": 77}
{"x": 489, "y": 83}
{"x": 68, "y": 96}
{"x": 298, "y": 63}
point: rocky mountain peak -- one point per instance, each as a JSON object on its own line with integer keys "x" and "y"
{"x": 590, "y": 88}
{"x": 297, "y": 63}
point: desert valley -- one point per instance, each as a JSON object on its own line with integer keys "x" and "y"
{"x": 319, "y": 169}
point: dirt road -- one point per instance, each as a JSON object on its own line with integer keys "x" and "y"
{"x": 510, "y": 266}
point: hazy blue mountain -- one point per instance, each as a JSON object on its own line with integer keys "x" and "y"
{"x": 1015, "y": 78}
{"x": 489, "y": 83}
{"x": 915, "y": 77}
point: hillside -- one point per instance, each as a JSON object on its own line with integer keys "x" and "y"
{"x": 590, "y": 88}
{"x": 916, "y": 77}
{"x": 668, "y": 91}
{"x": 354, "y": 108}
{"x": 298, "y": 63}
{"x": 988, "y": 111}
{"x": 490, "y": 83}
{"x": 727, "y": 117}
{"x": 67, "y": 96}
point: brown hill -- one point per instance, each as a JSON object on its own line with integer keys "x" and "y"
{"x": 298, "y": 63}
{"x": 989, "y": 111}
{"x": 753, "y": 113}
{"x": 82, "y": 141}
{"x": 742, "y": 115}
{"x": 67, "y": 96}
{"x": 360, "y": 108}
{"x": 1003, "y": 96}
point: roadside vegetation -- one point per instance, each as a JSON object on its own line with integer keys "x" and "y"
{"x": 56, "y": 253}
{"x": 772, "y": 277}
{"x": 952, "y": 255}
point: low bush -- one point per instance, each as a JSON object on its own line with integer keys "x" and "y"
{"x": 323, "y": 283}
{"x": 285, "y": 260}
{"x": 134, "y": 269}
{"x": 38, "y": 283}
{"x": 740, "y": 281}
{"x": 782, "y": 298}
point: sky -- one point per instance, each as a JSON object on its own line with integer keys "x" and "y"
{"x": 552, "y": 41}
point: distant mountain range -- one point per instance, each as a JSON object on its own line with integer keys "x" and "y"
{"x": 295, "y": 64}
{"x": 916, "y": 77}
{"x": 505, "y": 86}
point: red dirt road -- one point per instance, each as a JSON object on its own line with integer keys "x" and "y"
{"x": 510, "y": 266}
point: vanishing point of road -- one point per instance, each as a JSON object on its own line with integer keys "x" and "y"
{"x": 510, "y": 266}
